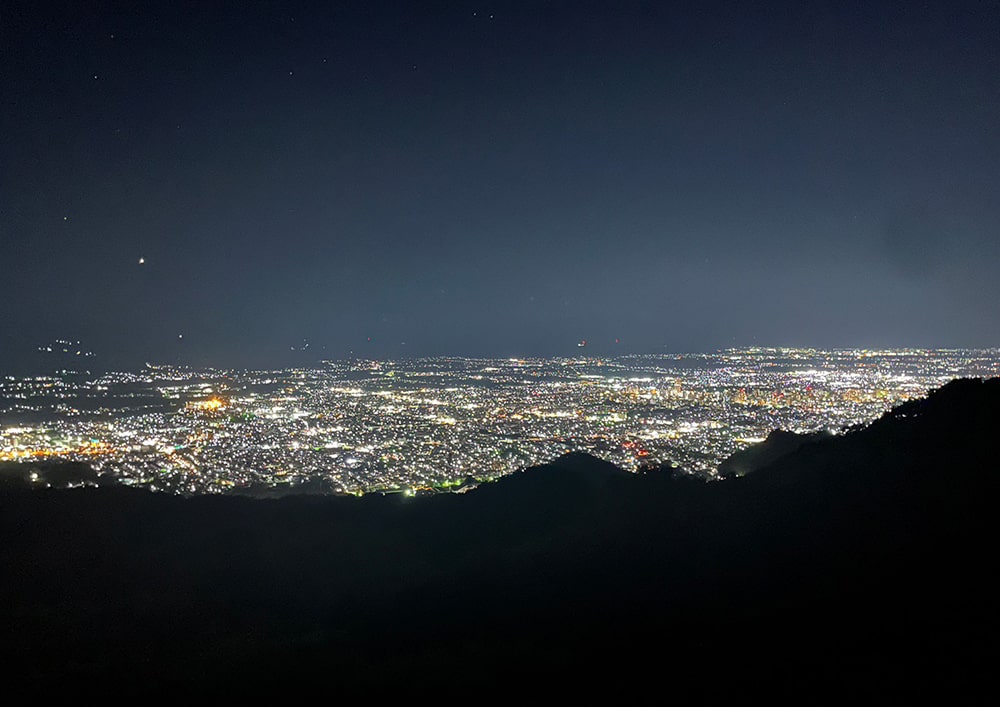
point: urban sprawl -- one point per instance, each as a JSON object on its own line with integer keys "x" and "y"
{"x": 439, "y": 424}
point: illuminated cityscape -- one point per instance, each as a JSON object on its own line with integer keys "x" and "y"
{"x": 444, "y": 423}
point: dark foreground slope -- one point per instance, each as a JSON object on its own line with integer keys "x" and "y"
{"x": 853, "y": 567}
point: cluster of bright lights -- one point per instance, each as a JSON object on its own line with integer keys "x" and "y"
{"x": 358, "y": 426}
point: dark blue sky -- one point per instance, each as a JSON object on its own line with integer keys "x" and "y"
{"x": 496, "y": 178}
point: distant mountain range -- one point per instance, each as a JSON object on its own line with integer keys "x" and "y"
{"x": 854, "y": 566}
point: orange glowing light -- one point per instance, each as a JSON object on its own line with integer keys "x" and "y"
{"x": 210, "y": 405}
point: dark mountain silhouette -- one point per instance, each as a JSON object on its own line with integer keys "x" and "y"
{"x": 778, "y": 444}
{"x": 853, "y": 567}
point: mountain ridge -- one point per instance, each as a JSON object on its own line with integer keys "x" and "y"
{"x": 882, "y": 532}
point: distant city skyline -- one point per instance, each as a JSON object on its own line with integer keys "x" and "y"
{"x": 429, "y": 424}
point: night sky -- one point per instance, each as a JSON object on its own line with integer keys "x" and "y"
{"x": 216, "y": 183}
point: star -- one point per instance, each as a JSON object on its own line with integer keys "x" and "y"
{"x": 142, "y": 261}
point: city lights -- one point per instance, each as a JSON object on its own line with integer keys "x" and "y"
{"x": 361, "y": 426}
